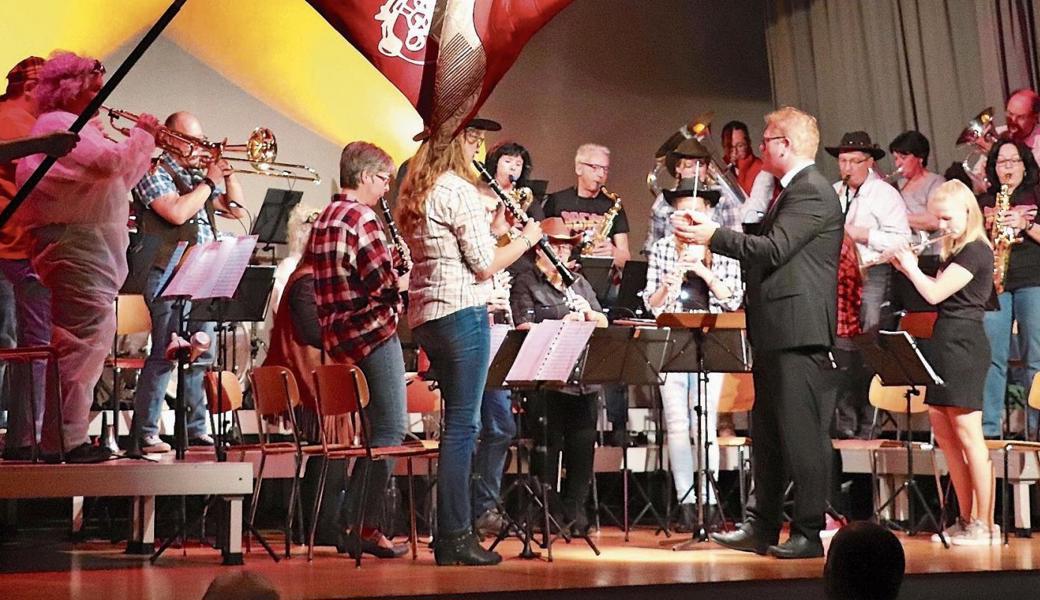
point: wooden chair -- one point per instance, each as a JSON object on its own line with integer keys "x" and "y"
{"x": 52, "y": 388}
{"x": 1022, "y": 448}
{"x": 738, "y": 395}
{"x": 275, "y": 396}
{"x": 343, "y": 390}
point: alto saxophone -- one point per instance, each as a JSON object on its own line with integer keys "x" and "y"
{"x": 603, "y": 230}
{"x": 404, "y": 255}
{"x": 1002, "y": 237}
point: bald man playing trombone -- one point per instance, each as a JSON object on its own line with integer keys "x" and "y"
{"x": 177, "y": 201}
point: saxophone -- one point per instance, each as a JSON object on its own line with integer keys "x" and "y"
{"x": 601, "y": 233}
{"x": 1002, "y": 237}
{"x": 404, "y": 255}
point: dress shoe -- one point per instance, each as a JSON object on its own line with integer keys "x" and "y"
{"x": 463, "y": 549}
{"x": 489, "y": 524}
{"x": 22, "y": 453}
{"x": 85, "y": 453}
{"x": 797, "y": 546}
{"x": 745, "y": 539}
{"x": 377, "y": 546}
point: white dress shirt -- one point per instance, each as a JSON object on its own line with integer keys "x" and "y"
{"x": 877, "y": 206}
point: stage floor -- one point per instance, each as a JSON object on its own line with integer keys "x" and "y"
{"x": 98, "y": 570}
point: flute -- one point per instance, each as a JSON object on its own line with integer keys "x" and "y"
{"x": 917, "y": 248}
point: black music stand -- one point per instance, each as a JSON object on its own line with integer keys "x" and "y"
{"x": 272, "y": 223}
{"x": 598, "y": 271}
{"x": 716, "y": 344}
{"x": 533, "y": 495}
{"x": 895, "y": 357}
{"x": 629, "y": 356}
{"x": 249, "y": 304}
{"x": 630, "y": 292}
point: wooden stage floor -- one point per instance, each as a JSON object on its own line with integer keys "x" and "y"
{"x": 645, "y": 567}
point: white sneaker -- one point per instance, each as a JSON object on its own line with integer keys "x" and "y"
{"x": 953, "y": 530}
{"x": 976, "y": 534}
{"x": 153, "y": 445}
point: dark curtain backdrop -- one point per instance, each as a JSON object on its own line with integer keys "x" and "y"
{"x": 628, "y": 74}
{"x": 885, "y": 66}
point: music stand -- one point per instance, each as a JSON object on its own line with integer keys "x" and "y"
{"x": 249, "y": 304}
{"x": 597, "y": 270}
{"x": 716, "y": 344}
{"x": 272, "y": 223}
{"x": 629, "y": 356}
{"x": 630, "y": 292}
{"x": 895, "y": 357}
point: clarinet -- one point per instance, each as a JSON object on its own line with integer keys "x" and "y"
{"x": 522, "y": 218}
{"x": 405, "y": 263}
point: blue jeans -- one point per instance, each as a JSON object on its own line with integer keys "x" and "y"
{"x": 387, "y": 416}
{"x": 496, "y": 432}
{"x": 459, "y": 346}
{"x": 1022, "y": 305}
{"x": 32, "y": 310}
{"x": 151, "y": 384}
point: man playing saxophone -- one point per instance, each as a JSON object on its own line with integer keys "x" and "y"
{"x": 585, "y": 206}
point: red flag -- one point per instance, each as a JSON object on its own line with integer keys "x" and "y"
{"x": 445, "y": 56}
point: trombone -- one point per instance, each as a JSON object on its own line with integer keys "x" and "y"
{"x": 259, "y": 151}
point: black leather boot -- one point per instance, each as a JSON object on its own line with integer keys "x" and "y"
{"x": 463, "y": 549}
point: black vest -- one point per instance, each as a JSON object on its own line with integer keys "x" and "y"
{"x": 150, "y": 224}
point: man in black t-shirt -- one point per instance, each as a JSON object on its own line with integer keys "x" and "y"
{"x": 583, "y": 206}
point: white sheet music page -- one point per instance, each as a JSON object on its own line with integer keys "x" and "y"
{"x": 498, "y": 335}
{"x": 565, "y": 350}
{"x": 234, "y": 255}
{"x": 533, "y": 351}
{"x": 194, "y": 274}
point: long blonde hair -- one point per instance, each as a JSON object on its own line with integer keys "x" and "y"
{"x": 432, "y": 160}
{"x": 958, "y": 195}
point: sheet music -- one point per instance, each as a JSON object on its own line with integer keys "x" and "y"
{"x": 498, "y": 335}
{"x": 565, "y": 351}
{"x": 212, "y": 270}
{"x": 532, "y": 353}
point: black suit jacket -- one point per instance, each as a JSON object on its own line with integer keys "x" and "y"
{"x": 792, "y": 266}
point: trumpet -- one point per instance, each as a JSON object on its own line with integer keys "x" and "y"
{"x": 917, "y": 248}
{"x": 260, "y": 150}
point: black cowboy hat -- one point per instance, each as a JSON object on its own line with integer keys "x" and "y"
{"x": 685, "y": 190}
{"x": 856, "y": 141}
{"x": 689, "y": 148}
{"x": 474, "y": 123}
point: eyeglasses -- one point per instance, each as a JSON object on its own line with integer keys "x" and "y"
{"x": 474, "y": 136}
{"x": 99, "y": 69}
{"x": 605, "y": 169}
{"x": 384, "y": 178}
{"x": 851, "y": 162}
{"x": 1008, "y": 162}
{"x": 772, "y": 138}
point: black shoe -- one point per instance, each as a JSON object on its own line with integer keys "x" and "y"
{"x": 797, "y": 546}
{"x": 490, "y": 523}
{"x": 85, "y": 453}
{"x": 23, "y": 453}
{"x": 350, "y": 544}
{"x": 746, "y": 539}
{"x": 463, "y": 549}
{"x": 845, "y": 434}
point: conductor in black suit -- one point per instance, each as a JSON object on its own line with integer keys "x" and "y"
{"x": 792, "y": 275}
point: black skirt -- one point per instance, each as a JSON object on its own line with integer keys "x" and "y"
{"x": 959, "y": 353}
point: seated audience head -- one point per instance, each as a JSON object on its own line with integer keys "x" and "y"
{"x": 865, "y": 562}
{"x": 1013, "y": 163}
{"x": 68, "y": 82}
{"x": 790, "y": 136}
{"x": 910, "y": 152}
{"x": 245, "y": 585}
{"x": 1021, "y": 113}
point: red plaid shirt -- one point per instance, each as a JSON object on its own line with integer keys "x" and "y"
{"x": 850, "y": 290}
{"x": 354, "y": 281}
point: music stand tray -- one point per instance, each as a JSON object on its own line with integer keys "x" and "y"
{"x": 248, "y": 304}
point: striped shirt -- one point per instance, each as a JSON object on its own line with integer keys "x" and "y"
{"x": 450, "y": 246}
{"x": 664, "y": 260}
{"x": 354, "y": 281}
